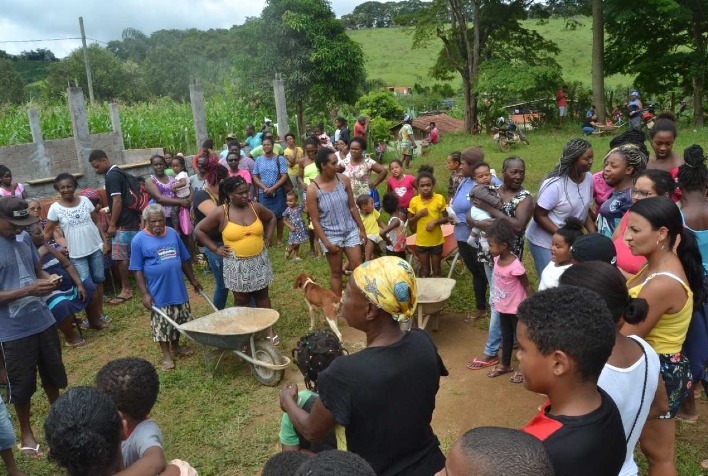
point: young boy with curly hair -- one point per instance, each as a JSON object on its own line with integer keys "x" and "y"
{"x": 566, "y": 335}
{"x": 133, "y": 385}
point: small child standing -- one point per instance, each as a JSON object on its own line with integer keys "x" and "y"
{"x": 313, "y": 354}
{"x": 394, "y": 234}
{"x": 370, "y": 217}
{"x": 453, "y": 165}
{"x": 401, "y": 185}
{"x": 562, "y": 240}
{"x": 180, "y": 215}
{"x": 133, "y": 385}
{"x": 426, "y": 214}
{"x": 485, "y": 192}
{"x": 292, "y": 217}
{"x": 511, "y": 286}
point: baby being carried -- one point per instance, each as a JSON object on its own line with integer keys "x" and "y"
{"x": 487, "y": 193}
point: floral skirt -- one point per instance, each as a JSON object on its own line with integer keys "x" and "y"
{"x": 676, "y": 372}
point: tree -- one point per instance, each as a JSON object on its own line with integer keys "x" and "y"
{"x": 11, "y": 86}
{"x": 380, "y": 104}
{"x": 304, "y": 42}
{"x": 496, "y": 33}
{"x": 663, "y": 42}
{"x": 598, "y": 64}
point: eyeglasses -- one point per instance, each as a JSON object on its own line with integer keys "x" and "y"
{"x": 641, "y": 193}
{"x": 232, "y": 160}
{"x": 35, "y": 208}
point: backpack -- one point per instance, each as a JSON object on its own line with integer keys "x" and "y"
{"x": 137, "y": 198}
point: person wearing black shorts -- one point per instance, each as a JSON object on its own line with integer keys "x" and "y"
{"x": 28, "y": 338}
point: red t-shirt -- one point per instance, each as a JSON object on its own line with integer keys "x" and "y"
{"x": 561, "y": 98}
{"x": 359, "y": 130}
{"x": 403, "y": 189}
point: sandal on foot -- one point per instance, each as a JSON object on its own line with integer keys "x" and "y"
{"x": 167, "y": 366}
{"x": 116, "y": 300}
{"x": 497, "y": 372}
{"x": 478, "y": 364}
{"x": 518, "y": 377}
{"x": 76, "y": 345}
{"x": 31, "y": 452}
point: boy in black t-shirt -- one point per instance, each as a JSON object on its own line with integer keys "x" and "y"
{"x": 565, "y": 336}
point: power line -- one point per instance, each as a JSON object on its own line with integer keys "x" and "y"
{"x": 47, "y": 39}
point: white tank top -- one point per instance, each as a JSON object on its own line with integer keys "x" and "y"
{"x": 625, "y": 386}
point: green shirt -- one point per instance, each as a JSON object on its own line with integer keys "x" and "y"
{"x": 258, "y": 151}
{"x": 288, "y": 436}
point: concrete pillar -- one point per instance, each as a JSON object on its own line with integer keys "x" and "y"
{"x": 39, "y": 158}
{"x": 280, "y": 106}
{"x": 82, "y": 137}
{"x": 196, "y": 96}
{"x": 115, "y": 123}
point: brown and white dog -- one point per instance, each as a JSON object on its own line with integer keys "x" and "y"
{"x": 318, "y": 297}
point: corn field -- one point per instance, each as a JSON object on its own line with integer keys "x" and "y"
{"x": 161, "y": 123}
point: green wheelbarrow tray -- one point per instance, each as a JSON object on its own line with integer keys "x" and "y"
{"x": 234, "y": 329}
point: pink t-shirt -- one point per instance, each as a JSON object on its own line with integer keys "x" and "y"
{"x": 403, "y": 189}
{"x": 242, "y": 173}
{"x": 600, "y": 190}
{"x": 626, "y": 261}
{"x": 508, "y": 290}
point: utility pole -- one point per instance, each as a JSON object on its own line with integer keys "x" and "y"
{"x": 86, "y": 59}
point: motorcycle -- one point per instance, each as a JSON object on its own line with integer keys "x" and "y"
{"x": 508, "y": 134}
{"x": 649, "y": 116}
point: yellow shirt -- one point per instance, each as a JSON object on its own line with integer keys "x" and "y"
{"x": 293, "y": 169}
{"x": 371, "y": 223}
{"x": 436, "y": 205}
{"x": 670, "y": 330}
{"x": 244, "y": 241}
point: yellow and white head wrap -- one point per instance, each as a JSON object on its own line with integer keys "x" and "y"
{"x": 389, "y": 283}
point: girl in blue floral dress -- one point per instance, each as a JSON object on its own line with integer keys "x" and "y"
{"x": 293, "y": 220}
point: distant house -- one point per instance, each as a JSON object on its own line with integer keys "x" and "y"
{"x": 400, "y": 90}
{"x": 443, "y": 122}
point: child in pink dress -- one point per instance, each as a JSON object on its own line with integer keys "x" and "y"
{"x": 511, "y": 286}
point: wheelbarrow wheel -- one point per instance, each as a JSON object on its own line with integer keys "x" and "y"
{"x": 266, "y": 352}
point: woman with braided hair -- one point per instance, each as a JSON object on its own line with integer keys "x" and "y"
{"x": 565, "y": 192}
{"x": 622, "y": 165}
{"x": 600, "y": 190}
{"x": 313, "y": 354}
{"x": 692, "y": 181}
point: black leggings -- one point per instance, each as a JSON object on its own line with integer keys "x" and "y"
{"x": 479, "y": 277}
{"x": 508, "y": 328}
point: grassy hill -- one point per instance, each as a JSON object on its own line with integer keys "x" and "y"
{"x": 391, "y": 58}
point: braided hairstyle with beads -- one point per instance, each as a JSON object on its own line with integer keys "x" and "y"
{"x": 314, "y": 352}
{"x": 693, "y": 174}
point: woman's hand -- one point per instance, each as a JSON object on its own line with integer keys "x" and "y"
{"x": 372, "y": 186}
{"x": 331, "y": 248}
{"x": 196, "y": 285}
{"x": 223, "y": 251}
{"x": 106, "y": 247}
{"x": 482, "y": 205}
{"x": 287, "y": 393}
{"x": 362, "y": 236}
{"x": 83, "y": 295}
{"x": 147, "y": 301}
{"x": 266, "y": 242}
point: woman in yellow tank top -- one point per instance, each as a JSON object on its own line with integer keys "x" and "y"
{"x": 671, "y": 281}
{"x": 246, "y": 229}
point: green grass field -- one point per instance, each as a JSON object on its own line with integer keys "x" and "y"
{"x": 224, "y": 423}
{"x": 391, "y": 57}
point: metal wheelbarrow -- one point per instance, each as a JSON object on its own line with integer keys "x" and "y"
{"x": 234, "y": 329}
{"x": 433, "y": 294}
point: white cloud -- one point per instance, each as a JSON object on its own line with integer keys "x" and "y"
{"x": 105, "y": 20}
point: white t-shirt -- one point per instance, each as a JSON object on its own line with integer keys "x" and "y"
{"x": 562, "y": 198}
{"x": 82, "y": 235}
{"x": 184, "y": 191}
{"x": 144, "y": 436}
{"x": 551, "y": 275}
{"x": 625, "y": 387}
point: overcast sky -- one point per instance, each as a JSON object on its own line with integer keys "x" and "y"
{"x": 104, "y": 20}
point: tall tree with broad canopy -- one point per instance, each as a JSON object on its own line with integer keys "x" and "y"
{"x": 304, "y": 42}
{"x": 477, "y": 31}
{"x": 663, "y": 42}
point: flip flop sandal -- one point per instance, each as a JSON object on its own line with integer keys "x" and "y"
{"x": 478, "y": 364}
{"x": 496, "y": 372}
{"x": 35, "y": 449}
{"x": 76, "y": 345}
{"x": 518, "y": 377}
{"x": 116, "y": 300}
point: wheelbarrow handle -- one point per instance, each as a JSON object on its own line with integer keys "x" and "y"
{"x": 203, "y": 294}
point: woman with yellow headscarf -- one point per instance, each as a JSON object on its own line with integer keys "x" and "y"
{"x": 381, "y": 398}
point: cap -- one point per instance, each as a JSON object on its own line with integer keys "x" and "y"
{"x": 634, "y": 94}
{"x": 15, "y": 210}
{"x": 231, "y": 136}
{"x": 594, "y": 247}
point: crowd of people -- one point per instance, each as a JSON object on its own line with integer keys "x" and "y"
{"x": 615, "y": 334}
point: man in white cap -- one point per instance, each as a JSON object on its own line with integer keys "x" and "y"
{"x": 28, "y": 339}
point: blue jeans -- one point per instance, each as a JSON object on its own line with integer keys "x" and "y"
{"x": 216, "y": 264}
{"x": 90, "y": 266}
{"x": 587, "y": 130}
{"x": 541, "y": 257}
{"x": 7, "y": 433}
{"x": 494, "y": 337}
